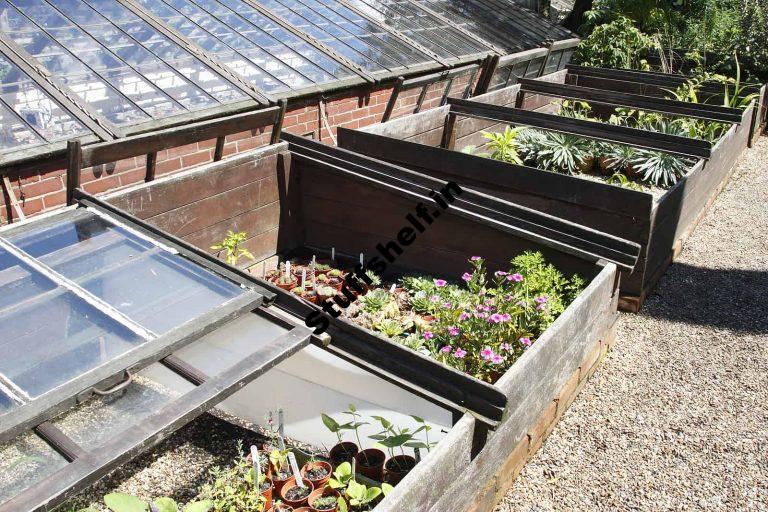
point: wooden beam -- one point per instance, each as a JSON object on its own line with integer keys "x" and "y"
{"x": 277, "y": 128}
{"x": 582, "y": 128}
{"x": 392, "y": 99}
{"x": 107, "y": 152}
{"x": 626, "y": 99}
{"x": 14, "y": 202}
{"x": 151, "y": 165}
{"x": 74, "y": 167}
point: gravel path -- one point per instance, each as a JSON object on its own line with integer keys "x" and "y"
{"x": 677, "y": 416}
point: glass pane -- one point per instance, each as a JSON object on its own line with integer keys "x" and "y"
{"x": 135, "y": 71}
{"x": 35, "y": 107}
{"x": 101, "y": 419}
{"x": 230, "y": 344}
{"x": 429, "y": 31}
{"x": 15, "y": 133}
{"x": 74, "y": 337}
{"x": 6, "y": 403}
{"x": 23, "y": 462}
{"x": 154, "y": 287}
{"x": 360, "y": 41}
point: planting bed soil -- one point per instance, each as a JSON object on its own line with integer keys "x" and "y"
{"x": 323, "y": 201}
{"x": 431, "y": 142}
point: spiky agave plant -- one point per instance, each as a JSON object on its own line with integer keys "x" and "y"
{"x": 557, "y": 152}
{"x": 660, "y": 169}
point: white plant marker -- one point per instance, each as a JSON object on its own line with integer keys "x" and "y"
{"x": 295, "y": 469}
{"x": 333, "y": 253}
{"x": 392, "y": 288}
{"x": 287, "y": 269}
{"x": 280, "y": 442}
{"x": 354, "y": 468}
{"x": 281, "y": 424}
{"x": 361, "y": 258}
{"x": 256, "y": 463}
{"x": 303, "y": 278}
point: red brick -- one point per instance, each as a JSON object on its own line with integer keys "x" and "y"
{"x": 102, "y": 185}
{"x": 55, "y": 200}
{"x": 194, "y": 159}
{"x": 40, "y": 188}
{"x": 132, "y": 177}
{"x": 32, "y": 206}
{"x": 166, "y": 166}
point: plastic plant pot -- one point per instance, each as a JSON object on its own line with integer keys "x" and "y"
{"x": 317, "y": 467}
{"x": 343, "y": 452}
{"x": 287, "y": 493}
{"x": 397, "y": 467}
{"x": 321, "y": 493}
{"x": 267, "y": 493}
{"x": 370, "y": 463}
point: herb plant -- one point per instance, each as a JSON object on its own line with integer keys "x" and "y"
{"x": 231, "y": 247}
{"x": 504, "y": 145}
{"x": 120, "y": 502}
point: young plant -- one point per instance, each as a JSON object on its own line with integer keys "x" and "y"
{"x": 341, "y": 476}
{"x": 355, "y": 424}
{"x": 335, "y": 427}
{"x": 504, "y": 145}
{"x": 660, "y": 169}
{"x": 622, "y": 181}
{"x": 422, "y": 428}
{"x": 375, "y": 301}
{"x": 234, "y": 488}
{"x": 231, "y": 247}
{"x": 557, "y": 152}
{"x": 390, "y": 327}
{"x": 279, "y": 460}
{"x": 120, "y": 502}
{"x": 392, "y": 436}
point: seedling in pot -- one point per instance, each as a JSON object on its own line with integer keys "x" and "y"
{"x": 355, "y": 424}
{"x": 120, "y": 502}
{"x": 324, "y": 503}
{"x": 343, "y": 451}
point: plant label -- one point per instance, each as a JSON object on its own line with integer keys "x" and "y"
{"x": 280, "y": 442}
{"x": 333, "y": 253}
{"x": 295, "y": 469}
{"x": 281, "y": 422}
{"x": 287, "y": 268}
{"x": 256, "y": 462}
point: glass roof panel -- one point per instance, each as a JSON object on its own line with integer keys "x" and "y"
{"x": 501, "y": 22}
{"x": 413, "y": 21}
{"x": 361, "y": 42}
{"x": 114, "y": 60}
{"x": 272, "y": 64}
{"x": 154, "y": 287}
{"x": 38, "y": 118}
{"x": 73, "y": 338}
{"x": 23, "y": 462}
{"x": 101, "y": 419}
{"x": 6, "y": 403}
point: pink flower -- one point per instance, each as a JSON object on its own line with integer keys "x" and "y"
{"x": 474, "y": 258}
{"x": 486, "y": 353}
{"x": 500, "y": 273}
{"x": 495, "y": 318}
{"x": 506, "y": 346}
{"x": 488, "y": 302}
{"x": 466, "y": 276}
{"x": 496, "y": 359}
{"x": 434, "y": 298}
{"x": 541, "y": 300}
{"x": 459, "y": 354}
{"x": 447, "y": 305}
{"x": 481, "y": 315}
{"x": 508, "y": 298}
{"x": 515, "y": 277}
{"x": 428, "y": 335}
{"x": 463, "y": 316}
{"x": 440, "y": 282}
{"x": 506, "y": 317}
{"x": 453, "y": 331}
{"x": 446, "y": 349}
{"x": 526, "y": 341}
{"x": 541, "y": 307}
{"x": 521, "y": 303}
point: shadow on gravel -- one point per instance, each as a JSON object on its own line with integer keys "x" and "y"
{"x": 723, "y": 298}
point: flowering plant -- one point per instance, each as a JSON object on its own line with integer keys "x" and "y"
{"x": 482, "y": 326}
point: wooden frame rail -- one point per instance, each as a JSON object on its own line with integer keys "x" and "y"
{"x": 589, "y": 129}
{"x": 624, "y": 99}
{"x": 79, "y": 157}
{"x": 423, "y": 82}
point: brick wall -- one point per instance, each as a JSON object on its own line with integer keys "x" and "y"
{"x": 38, "y": 192}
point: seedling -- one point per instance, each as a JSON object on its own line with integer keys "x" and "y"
{"x": 231, "y": 246}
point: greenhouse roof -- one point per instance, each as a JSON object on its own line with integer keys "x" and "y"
{"x": 105, "y": 69}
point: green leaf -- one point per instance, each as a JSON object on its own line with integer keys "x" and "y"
{"x": 121, "y": 502}
{"x": 165, "y": 505}
{"x": 395, "y": 441}
{"x": 386, "y": 488}
{"x": 343, "y": 505}
{"x": 199, "y": 506}
{"x": 330, "y": 423}
{"x": 352, "y": 408}
{"x": 384, "y": 421}
{"x": 371, "y": 494}
{"x": 419, "y": 420}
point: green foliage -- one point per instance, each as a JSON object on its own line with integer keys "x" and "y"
{"x": 334, "y": 426}
{"x": 120, "y": 502}
{"x": 556, "y": 152}
{"x": 375, "y": 300}
{"x": 503, "y": 145}
{"x": 616, "y": 44}
{"x": 622, "y": 181}
{"x": 389, "y": 327}
{"x": 233, "y": 489}
{"x": 231, "y": 247}
{"x": 661, "y": 169}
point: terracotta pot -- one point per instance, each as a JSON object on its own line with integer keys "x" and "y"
{"x": 370, "y": 463}
{"x": 278, "y": 483}
{"x": 322, "y": 298}
{"x": 319, "y": 493}
{"x": 605, "y": 169}
{"x": 335, "y": 283}
{"x": 310, "y": 296}
{"x": 302, "y": 509}
{"x": 281, "y": 508}
{"x": 271, "y": 275}
{"x": 343, "y": 452}
{"x": 632, "y": 172}
{"x": 268, "y": 494}
{"x": 397, "y": 467}
{"x": 265, "y": 467}
{"x": 428, "y": 318}
{"x": 290, "y": 484}
{"x": 587, "y": 165}
{"x": 287, "y": 287}
{"x": 320, "y": 482}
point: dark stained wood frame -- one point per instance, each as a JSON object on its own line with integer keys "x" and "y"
{"x": 79, "y": 157}
{"x": 660, "y": 226}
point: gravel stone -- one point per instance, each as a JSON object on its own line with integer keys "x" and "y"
{"x": 676, "y": 417}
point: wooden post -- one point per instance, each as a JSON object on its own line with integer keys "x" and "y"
{"x": 449, "y": 132}
{"x": 151, "y": 163}
{"x": 74, "y": 167}
{"x": 218, "y": 153}
{"x": 420, "y": 101}
{"x": 12, "y": 201}
{"x": 277, "y": 128}
{"x": 446, "y": 92}
{"x": 546, "y": 58}
{"x": 392, "y": 99}
{"x": 489, "y": 67}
